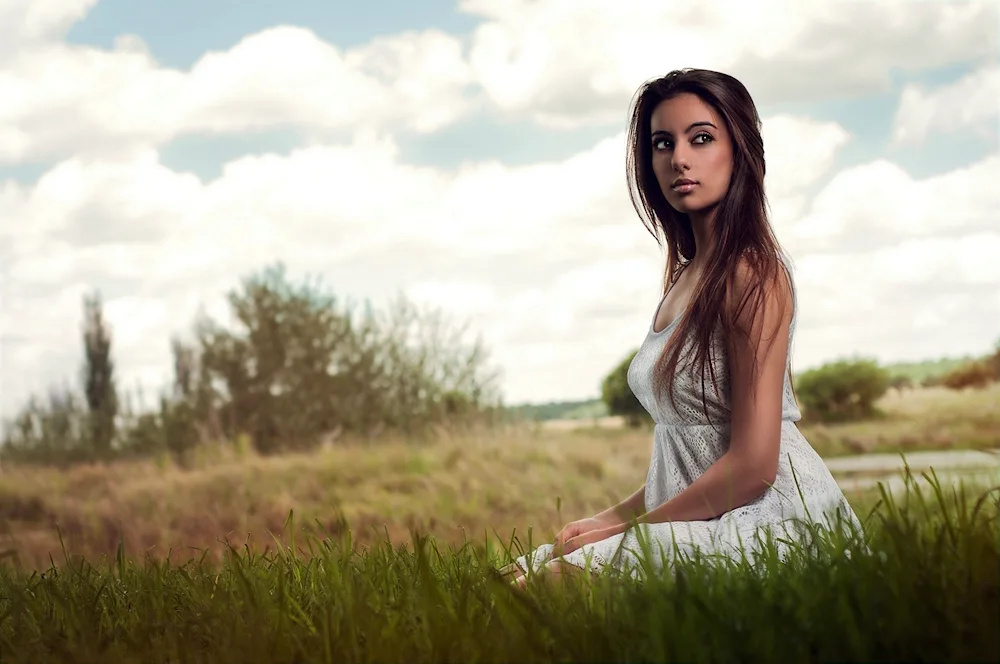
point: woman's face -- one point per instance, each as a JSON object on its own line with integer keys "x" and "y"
{"x": 692, "y": 153}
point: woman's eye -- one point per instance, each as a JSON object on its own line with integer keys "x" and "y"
{"x": 660, "y": 144}
{"x": 707, "y": 137}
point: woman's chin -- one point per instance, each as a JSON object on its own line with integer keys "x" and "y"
{"x": 690, "y": 204}
{"x": 685, "y": 205}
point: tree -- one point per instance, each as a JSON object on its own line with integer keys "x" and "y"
{"x": 49, "y": 433}
{"x": 299, "y": 365}
{"x": 618, "y": 396}
{"x": 976, "y": 374}
{"x": 842, "y": 390}
{"x": 98, "y": 378}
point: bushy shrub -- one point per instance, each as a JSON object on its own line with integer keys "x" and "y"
{"x": 931, "y": 381}
{"x": 843, "y": 390}
{"x": 976, "y": 374}
{"x": 618, "y": 396}
{"x": 901, "y": 382}
{"x": 294, "y": 367}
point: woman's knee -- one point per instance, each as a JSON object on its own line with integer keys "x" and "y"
{"x": 511, "y": 571}
{"x": 561, "y": 568}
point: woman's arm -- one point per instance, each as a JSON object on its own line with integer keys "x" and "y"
{"x": 750, "y": 465}
{"x": 631, "y": 508}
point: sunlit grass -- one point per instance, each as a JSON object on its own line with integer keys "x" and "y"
{"x": 459, "y": 486}
{"x": 922, "y": 584}
{"x": 933, "y": 418}
{"x": 918, "y": 419}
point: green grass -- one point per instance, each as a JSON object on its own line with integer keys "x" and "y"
{"x": 585, "y": 409}
{"x": 924, "y": 586}
{"x": 562, "y": 410}
{"x": 920, "y": 371}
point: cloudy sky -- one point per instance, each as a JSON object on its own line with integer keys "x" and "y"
{"x": 470, "y": 154}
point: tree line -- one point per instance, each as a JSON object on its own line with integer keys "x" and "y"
{"x": 839, "y": 391}
{"x": 296, "y": 368}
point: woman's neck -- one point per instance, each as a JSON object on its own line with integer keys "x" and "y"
{"x": 702, "y": 227}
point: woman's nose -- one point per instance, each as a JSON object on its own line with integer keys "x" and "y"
{"x": 680, "y": 161}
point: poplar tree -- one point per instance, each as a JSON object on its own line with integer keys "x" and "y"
{"x": 98, "y": 378}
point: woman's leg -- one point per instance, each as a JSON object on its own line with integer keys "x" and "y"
{"x": 554, "y": 570}
{"x": 513, "y": 572}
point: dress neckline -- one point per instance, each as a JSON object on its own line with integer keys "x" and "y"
{"x": 656, "y": 312}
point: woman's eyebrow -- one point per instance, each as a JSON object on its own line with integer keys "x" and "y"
{"x": 700, "y": 123}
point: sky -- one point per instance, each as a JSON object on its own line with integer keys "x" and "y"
{"x": 470, "y": 156}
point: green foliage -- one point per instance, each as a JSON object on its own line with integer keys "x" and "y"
{"x": 900, "y": 382}
{"x": 922, "y": 585}
{"x": 561, "y": 410}
{"x": 98, "y": 378}
{"x": 618, "y": 396}
{"x": 975, "y": 374}
{"x": 926, "y": 370}
{"x": 994, "y": 360}
{"x": 297, "y": 367}
{"x": 70, "y": 429}
{"x": 56, "y": 431}
{"x": 842, "y": 391}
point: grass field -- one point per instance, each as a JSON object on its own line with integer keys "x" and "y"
{"x": 922, "y": 586}
{"x": 589, "y": 409}
{"x": 466, "y": 486}
{"x": 934, "y": 418}
{"x": 927, "y": 588}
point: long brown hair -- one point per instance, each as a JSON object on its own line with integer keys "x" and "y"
{"x": 741, "y": 221}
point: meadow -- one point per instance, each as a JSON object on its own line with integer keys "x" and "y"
{"x": 383, "y": 552}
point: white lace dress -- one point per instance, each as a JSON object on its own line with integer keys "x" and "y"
{"x": 685, "y": 444}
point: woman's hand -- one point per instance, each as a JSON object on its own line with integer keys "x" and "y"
{"x": 589, "y": 537}
{"x": 576, "y": 528}
{"x": 579, "y": 533}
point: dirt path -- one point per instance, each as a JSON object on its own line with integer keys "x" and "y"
{"x": 951, "y": 467}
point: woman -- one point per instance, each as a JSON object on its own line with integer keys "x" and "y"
{"x": 728, "y": 461}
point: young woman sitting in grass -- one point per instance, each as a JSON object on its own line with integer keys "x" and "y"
{"x": 728, "y": 464}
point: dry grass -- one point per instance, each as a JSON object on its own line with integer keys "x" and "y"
{"x": 934, "y": 418}
{"x": 922, "y": 419}
{"x": 456, "y": 489}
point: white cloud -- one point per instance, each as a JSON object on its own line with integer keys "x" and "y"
{"x": 970, "y": 103}
{"x": 566, "y": 62}
{"x": 798, "y": 152}
{"x": 27, "y": 22}
{"x": 547, "y": 260}
{"x": 878, "y": 203}
{"x": 921, "y": 298}
{"x": 61, "y": 100}
{"x": 561, "y": 63}
{"x": 548, "y": 251}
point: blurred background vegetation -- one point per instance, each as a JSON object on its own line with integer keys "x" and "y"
{"x": 384, "y": 424}
{"x": 298, "y": 369}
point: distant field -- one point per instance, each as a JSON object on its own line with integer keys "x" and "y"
{"x": 914, "y": 419}
{"x": 589, "y": 409}
{"x": 562, "y": 410}
{"x": 920, "y": 371}
{"x": 466, "y": 486}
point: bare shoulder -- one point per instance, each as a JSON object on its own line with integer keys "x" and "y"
{"x": 760, "y": 295}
